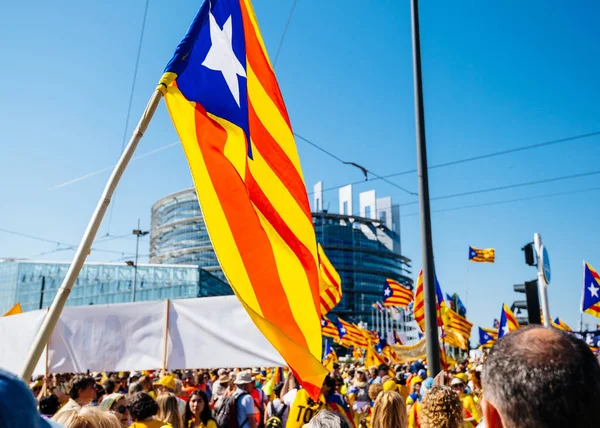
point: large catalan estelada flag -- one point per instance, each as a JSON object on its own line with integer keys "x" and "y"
{"x": 225, "y": 103}
{"x": 419, "y": 305}
{"x": 508, "y": 322}
{"x": 395, "y": 294}
{"x": 487, "y": 255}
{"x": 329, "y": 329}
{"x": 330, "y": 283}
{"x": 590, "y": 300}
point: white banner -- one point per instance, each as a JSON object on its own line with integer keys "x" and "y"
{"x": 209, "y": 332}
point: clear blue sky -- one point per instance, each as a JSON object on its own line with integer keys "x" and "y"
{"x": 497, "y": 75}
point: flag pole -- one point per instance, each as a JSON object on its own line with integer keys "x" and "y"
{"x": 431, "y": 331}
{"x": 62, "y": 295}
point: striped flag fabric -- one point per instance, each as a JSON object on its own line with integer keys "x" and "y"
{"x": 330, "y": 283}
{"x": 487, "y": 255}
{"x": 419, "y": 305}
{"x": 329, "y": 329}
{"x": 508, "y": 322}
{"x": 329, "y": 357}
{"x": 590, "y": 300}
{"x": 350, "y": 334}
{"x": 457, "y": 324}
{"x": 395, "y": 294}
{"x": 561, "y": 325}
{"x": 487, "y": 336}
{"x": 226, "y": 105}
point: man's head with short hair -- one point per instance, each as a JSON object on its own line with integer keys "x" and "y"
{"x": 538, "y": 377}
{"x": 383, "y": 370}
{"x": 83, "y": 388}
{"x": 141, "y": 406}
{"x": 327, "y": 419}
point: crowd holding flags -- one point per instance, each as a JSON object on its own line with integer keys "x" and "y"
{"x": 487, "y": 255}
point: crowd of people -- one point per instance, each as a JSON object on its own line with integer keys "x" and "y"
{"x": 534, "y": 377}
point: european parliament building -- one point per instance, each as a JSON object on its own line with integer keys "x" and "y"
{"x": 365, "y": 247}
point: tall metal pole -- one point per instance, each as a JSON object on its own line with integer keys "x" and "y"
{"x": 62, "y": 295}
{"x": 431, "y": 329}
{"x": 137, "y": 247}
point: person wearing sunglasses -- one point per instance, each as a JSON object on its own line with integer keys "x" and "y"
{"x": 117, "y": 404}
{"x": 471, "y": 411}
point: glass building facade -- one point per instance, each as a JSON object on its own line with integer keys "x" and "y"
{"x": 34, "y": 284}
{"x": 357, "y": 249}
{"x": 178, "y": 234}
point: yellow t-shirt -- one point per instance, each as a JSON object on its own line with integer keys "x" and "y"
{"x": 303, "y": 409}
{"x": 154, "y": 423}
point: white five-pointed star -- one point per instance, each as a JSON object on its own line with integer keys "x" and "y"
{"x": 221, "y": 57}
{"x": 343, "y": 330}
{"x": 505, "y": 329}
{"x": 593, "y": 290}
{"x": 387, "y": 291}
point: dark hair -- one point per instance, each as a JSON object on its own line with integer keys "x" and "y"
{"x": 329, "y": 382}
{"x": 205, "y": 415}
{"x": 49, "y": 405}
{"x": 109, "y": 386}
{"x": 277, "y": 389}
{"x": 79, "y": 383}
{"x": 537, "y": 377}
{"x": 141, "y": 406}
{"x": 383, "y": 368}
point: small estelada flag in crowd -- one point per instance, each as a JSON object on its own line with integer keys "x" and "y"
{"x": 487, "y": 255}
{"x": 590, "y": 300}
{"x": 330, "y": 283}
{"x": 329, "y": 356}
{"x": 508, "y": 322}
{"x": 487, "y": 336}
{"x": 395, "y": 294}
{"x": 560, "y": 324}
{"x": 225, "y": 103}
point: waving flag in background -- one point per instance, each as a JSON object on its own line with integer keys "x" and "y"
{"x": 487, "y": 255}
{"x": 329, "y": 356}
{"x": 350, "y": 334}
{"x": 487, "y": 336}
{"x": 329, "y": 329}
{"x": 508, "y": 322}
{"x": 225, "y": 103}
{"x": 560, "y": 324}
{"x": 395, "y": 294}
{"x": 419, "y": 304}
{"x": 330, "y": 283}
{"x": 590, "y": 300}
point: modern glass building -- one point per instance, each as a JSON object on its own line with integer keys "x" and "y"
{"x": 178, "y": 234}
{"x": 364, "y": 249}
{"x": 34, "y": 283}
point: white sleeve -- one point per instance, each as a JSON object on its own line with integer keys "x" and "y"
{"x": 288, "y": 399}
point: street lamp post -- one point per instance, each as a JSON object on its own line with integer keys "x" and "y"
{"x": 138, "y": 233}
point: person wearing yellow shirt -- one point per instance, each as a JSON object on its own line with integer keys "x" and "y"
{"x": 302, "y": 407}
{"x": 458, "y": 385}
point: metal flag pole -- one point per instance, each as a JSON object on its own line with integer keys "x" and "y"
{"x": 62, "y": 295}
{"x": 431, "y": 330}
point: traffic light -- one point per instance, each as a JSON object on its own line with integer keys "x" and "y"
{"x": 531, "y": 302}
{"x": 529, "y": 254}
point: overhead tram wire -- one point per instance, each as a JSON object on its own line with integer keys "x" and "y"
{"x": 344, "y": 162}
{"x": 480, "y": 157}
{"x": 51, "y": 241}
{"x": 314, "y": 144}
{"x": 507, "y": 201}
{"x": 509, "y": 186}
{"x": 135, "y": 73}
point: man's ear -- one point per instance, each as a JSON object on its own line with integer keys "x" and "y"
{"x": 490, "y": 415}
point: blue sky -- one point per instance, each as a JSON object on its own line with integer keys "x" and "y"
{"x": 497, "y": 75}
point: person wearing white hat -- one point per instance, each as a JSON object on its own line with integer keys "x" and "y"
{"x": 246, "y": 411}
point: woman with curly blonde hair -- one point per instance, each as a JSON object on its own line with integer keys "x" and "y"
{"x": 442, "y": 408}
{"x": 389, "y": 411}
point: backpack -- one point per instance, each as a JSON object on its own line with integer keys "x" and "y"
{"x": 275, "y": 421}
{"x": 227, "y": 412}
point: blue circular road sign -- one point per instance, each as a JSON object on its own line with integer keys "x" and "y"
{"x": 546, "y": 265}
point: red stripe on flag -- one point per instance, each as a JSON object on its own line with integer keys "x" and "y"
{"x": 252, "y": 243}
{"x": 258, "y": 61}
{"x": 279, "y": 162}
